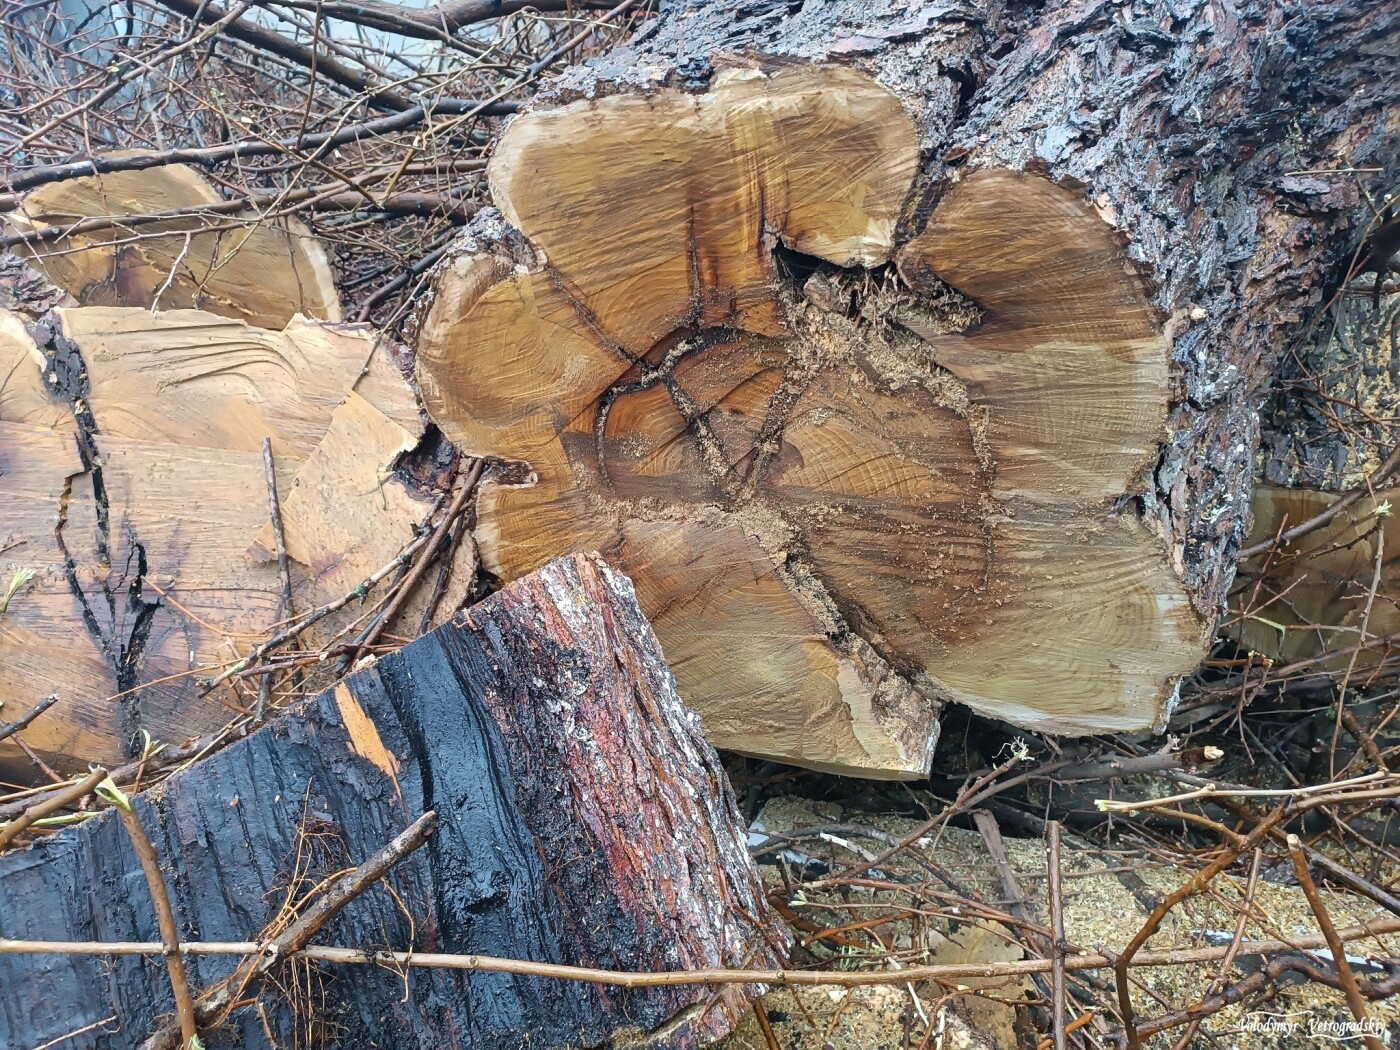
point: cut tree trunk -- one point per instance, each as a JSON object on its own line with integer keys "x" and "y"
{"x": 922, "y": 376}
{"x": 581, "y": 819}
{"x": 134, "y": 487}
{"x": 1335, "y": 587}
{"x": 121, "y": 239}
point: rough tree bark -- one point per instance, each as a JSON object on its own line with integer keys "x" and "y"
{"x": 582, "y": 819}
{"x": 905, "y": 353}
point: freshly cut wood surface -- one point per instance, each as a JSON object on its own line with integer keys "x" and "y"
{"x": 260, "y": 270}
{"x": 131, "y": 448}
{"x": 582, "y": 819}
{"x": 24, "y": 385}
{"x": 347, "y": 512}
{"x": 845, "y": 491}
{"x": 1068, "y": 369}
{"x": 661, "y": 220}
{"x": 1315, "y": 595}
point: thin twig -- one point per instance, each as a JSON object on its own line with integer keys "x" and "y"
{"x": 50, "y": 805}
{"x": 979, "y": 791}
{"x": 208, "y": 156}
{"x": 1344, "y": 502}
{"x": 1224, "y": 972}
{"x": 430, "y": 23}
{"x": 1115, "y": 766}
{"x": 38, "y": 760}
{"x": 9, "y": 729}
{"x": 1180, "y": 956}
{"x": 274, "y": 506}
{"x": 1261, "y": 981}
{"x": 769, "y": 1036}
{"x": 460, "y": 535}
{"x": 170, "y": 276}
{"x": 68, "y": 1036}
{"x": 1355, "y": 1002}
{"x": 1362, "y": 738}
{"x": 349, "y": 886}
{"x": 1353, "y": 881}
{"x": 1377, "y": 779}
{"x": 1196, "y": 884}
{"x": 215, "y": 1003}
{"x": 404, "y": 558}
{"x": 1057, "y": 925}
{"x": 990, "y": 831}
{"x": 405, "y": 588}
{"x": 165, "y": 917}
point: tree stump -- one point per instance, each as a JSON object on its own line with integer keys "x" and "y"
{"x": 581, "y": 819}
{"x": 895, "y": 373}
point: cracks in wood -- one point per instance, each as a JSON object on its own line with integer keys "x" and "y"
{"x": 684, "y": 341}
{"x": 70, "y": 575}
{"x": 769, "y": 439}
{"x": 585, "y": 316}
{"x": 943, "y": 481}
{"x": 549, "y": 849}
{"x": 129, "y": 615}
{"x": 147, "y": 484}
{"x": 66, "y": 381}
{"x": 712, "y": 451}
{"x": 867, "y": 307}
{"x": 128, "y": 668}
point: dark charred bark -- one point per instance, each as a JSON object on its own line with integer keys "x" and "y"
{"x": 582, "y": 819}
{"x": 24, "y": 291}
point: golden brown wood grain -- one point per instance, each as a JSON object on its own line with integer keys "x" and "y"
{"x": 835, "y": 518}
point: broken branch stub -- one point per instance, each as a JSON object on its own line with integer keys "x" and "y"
{"x": 852, "y": 473}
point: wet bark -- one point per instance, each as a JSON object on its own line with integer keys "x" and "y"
{"x": 582, "y": 819}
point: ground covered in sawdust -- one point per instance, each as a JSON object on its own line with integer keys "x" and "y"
{"x": 1103, "y": 909}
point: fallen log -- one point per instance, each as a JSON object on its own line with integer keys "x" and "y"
{"x": 135, "y": 490}
{"x": 1335, "y": 589}
{"x": 582, "y": 819}
{"x": 1321, "y": 573}
{"x": 166, "y": 238}
{"x": 919, "y": 377}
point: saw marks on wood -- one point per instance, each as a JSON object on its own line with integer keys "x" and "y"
{"x": 259, "y": 269}
{"x": 838, "y": 505}
{"x": 1069, "y": 365}
{"x": 131, "y": 452}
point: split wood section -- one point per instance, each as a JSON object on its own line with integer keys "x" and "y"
{"x": 134, "y": 486}
{"x": 852, "y": 473}
{"x": 165, "y": 236}
{"x": 1326, "y": 591}
{"x": 583, "y": 820}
